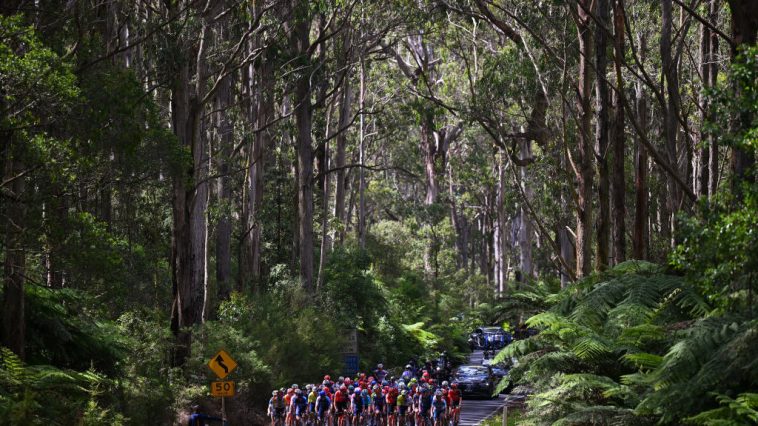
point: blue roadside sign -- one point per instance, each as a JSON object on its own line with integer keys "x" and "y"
{"x": 351, "y": 362}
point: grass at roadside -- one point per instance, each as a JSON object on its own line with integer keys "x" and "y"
{"x": 514, "y": 414}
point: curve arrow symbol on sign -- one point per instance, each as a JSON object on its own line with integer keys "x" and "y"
{"x": 220, "y": 362}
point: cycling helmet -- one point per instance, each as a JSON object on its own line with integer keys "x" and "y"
{"x": 308, "y": 387}
{"x": 376, "y": 386}
{"x": 438, "y": 393}
{"x": 454, "y": 385}
{"x": 275, "y": 392}
{"x": 290, "y": 391}
{"x": 351, "y": 388}
{"x": 341, "y": 379}
{"x": 385, "y": 383}
{"x": 405, "y": 392}
{"x": 373, "y": 382}
{"x": 414, "y": 380}
{"x": 299, "y": 391}
{"x": 357, "y": 391}
{"x": 327, "y": 378}
{"x": 325, "y": 383}
{"x": 379, "y": 365}
{"x": 364, "y": 392}
{"x": 343, "y": 388}
{"x": 408, "y": 367}
{"x": 294, "y": 386}
{"x": 401, "y": 386}
{"x": 445, "y": 383}
{"x": 282, "y": 390}
{"x": 348, "y": 380}
{"x": 322, "y": 393}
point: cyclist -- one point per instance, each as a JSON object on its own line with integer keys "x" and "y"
{"x": 455, "y": 401}
{"x": 276, "y": 407}
{"x": 391, "y": 398}
{"x": 380, "y": 373}
{"x": 341, "y": 400}
{"x": 312, "y": 396}
{"x": 323, "y": 402}
{"x": 403, "y": 400}
{"x": 299, "y": 406}
{"x": 379, "y": 404}
{"x": 357, "y": 406}
{"x": 424, "y": 405}
{"x": 289, "y": 418}
{"x": 407, "y": 373}
{"x": 439, "y": 406}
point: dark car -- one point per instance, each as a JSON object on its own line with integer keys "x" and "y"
{"x": 500, "y": 371}
{"x": 475, "y": 380}
{"x": 489, "y": 338}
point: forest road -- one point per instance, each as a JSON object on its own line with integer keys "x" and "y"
{"x": 475, "y": 411}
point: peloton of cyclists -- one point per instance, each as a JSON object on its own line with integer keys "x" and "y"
{"x": 420, "y": 397}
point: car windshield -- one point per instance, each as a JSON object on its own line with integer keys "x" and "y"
{"x": 472, "y": 371}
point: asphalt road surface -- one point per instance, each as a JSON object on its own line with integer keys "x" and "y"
{"x": 475, "y": 411}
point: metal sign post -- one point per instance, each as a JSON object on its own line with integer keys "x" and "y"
{"x": 222, "y": 364}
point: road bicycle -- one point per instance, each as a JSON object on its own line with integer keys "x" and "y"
{"x": 278, "y": 418}
{"x": 455, "y": 415}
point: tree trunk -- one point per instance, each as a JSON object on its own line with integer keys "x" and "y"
{"x": 362, "y": 158}
{"x": 500, "y": 274}
{"x": 641, "y": 207}
{"x": 429, "y": 151}
{"x": 224, "y": 190}
{"x": 190, "y": 200}
{"x": 713, "y": 73}
{"x": 701, "y": 181}
{"x": 619, "y": 139}
{"x": 525, "y": 232}
{"x": 14, "y": 264}
{"x": 601, "y": 136}
{"x": 671, "y": 113}
{"x": 303, "y": 108}
{"x": 585, "y": 149}
{"x": 340, "y": 212}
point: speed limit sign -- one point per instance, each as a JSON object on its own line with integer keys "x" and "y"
{"x": 222, "y": 388}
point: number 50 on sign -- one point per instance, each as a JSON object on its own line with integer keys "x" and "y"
{"x": 222, "y": 388}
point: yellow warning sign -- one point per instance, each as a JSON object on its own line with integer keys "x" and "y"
{"x": 222, "y": 388}
{"x": 222, "y": 364}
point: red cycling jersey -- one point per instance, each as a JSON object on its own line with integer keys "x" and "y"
{"x": 392, "y": 396}
{"x": 341, "y": 397}
{"x": 454, "y": 395}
